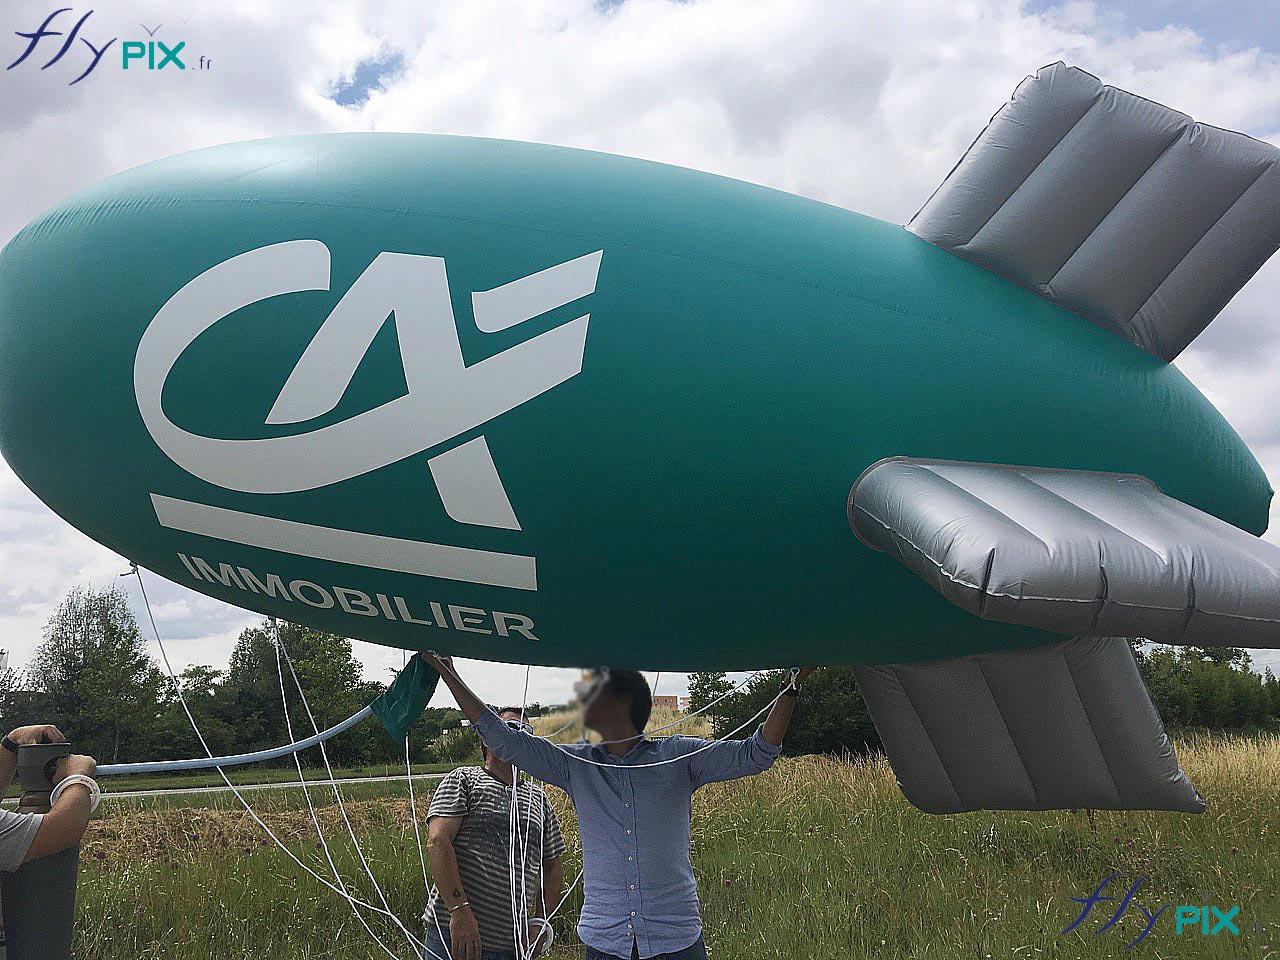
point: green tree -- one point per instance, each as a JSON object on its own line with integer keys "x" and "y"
{"x": 1231, "y": 656}
{"x": 202, "y": 690}
{"x": 1209, "y": 687}
{"x": 15, "y": 698}
{"x": 830, "y": 716}
{"x": 705, "y": 687}
{"x": 95, "y": 677}
{"x": 328, "y": 673}
{"x": 1271, "y": 686}
{"x": 456, "y": 746}
{"x": 1166, "y": 675}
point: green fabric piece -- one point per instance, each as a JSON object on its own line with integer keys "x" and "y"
{"x": 406, "y": 698}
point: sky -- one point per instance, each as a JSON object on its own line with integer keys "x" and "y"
{"x": 866, "y": 105}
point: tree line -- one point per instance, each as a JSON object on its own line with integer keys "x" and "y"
{"x": 1191, "y": 687}
{"x": 93, "y": 676}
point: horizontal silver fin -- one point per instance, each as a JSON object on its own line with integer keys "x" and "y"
{"x": 1072, "y": 551}
{"x": 1120, "y": 209}
{"x": 1063, "y": 726}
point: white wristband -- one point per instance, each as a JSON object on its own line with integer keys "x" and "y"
{"x": 551, "y": 934}
{"x": 95, "y": 792}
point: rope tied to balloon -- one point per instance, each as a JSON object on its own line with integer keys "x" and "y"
{"x": 403, "y": 702}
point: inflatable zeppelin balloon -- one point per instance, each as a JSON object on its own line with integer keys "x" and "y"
{"x": 534, "y": 404}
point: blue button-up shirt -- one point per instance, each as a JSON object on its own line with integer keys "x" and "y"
{"x": 637, "y": 876}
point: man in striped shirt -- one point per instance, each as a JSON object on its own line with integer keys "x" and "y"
{"x": 487, "y": 849}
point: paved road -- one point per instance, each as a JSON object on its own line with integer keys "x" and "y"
{"x": 322, "y": 784}
{"x": 182, "y": 791}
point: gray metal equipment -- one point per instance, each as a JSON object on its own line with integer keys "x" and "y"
{"x": 39, "y": 898}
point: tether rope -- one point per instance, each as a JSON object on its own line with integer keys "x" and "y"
{"x": 315, "y": 820}
{"x": 520, "y": 911}
{"x": 177, "y": 686}
{"x": 568, "y": 751}
{"x": 685, "y": 718}
{"x": 337, "y": 794}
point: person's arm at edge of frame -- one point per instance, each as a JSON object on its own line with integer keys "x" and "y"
{"x": 552, "y": 890}
{"x": 527, "y": 751}
{"x": 64, "y": 825}
{"x": 464, "y": 932}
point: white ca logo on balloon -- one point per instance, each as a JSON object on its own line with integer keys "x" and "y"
{"x": 445, "y": 396}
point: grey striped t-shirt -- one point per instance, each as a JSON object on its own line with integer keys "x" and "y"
{"x": 482, "y": 847}
{"x": 17, "y": 831}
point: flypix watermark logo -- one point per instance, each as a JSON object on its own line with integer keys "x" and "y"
{"x": 76, "y": 45}
{"x": 1189, "y": 920}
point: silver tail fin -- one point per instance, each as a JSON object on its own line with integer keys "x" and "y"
{"x": 1122, "y": 210}
{"x": 1066, "y": 725}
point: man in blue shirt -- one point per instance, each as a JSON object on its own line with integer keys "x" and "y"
{"x": 633, "y": 798}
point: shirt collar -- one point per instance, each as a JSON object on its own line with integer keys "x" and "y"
{"x": 644, "y": 741}
{"x": 493, "y": 776}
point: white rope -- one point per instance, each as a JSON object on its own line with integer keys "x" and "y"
{"x": 432, "y": 890}
{"x": 515, "y": 871}
{"x": 518, "y": 855}
{"x": 515, "y": 864}
{"x": 578, "y": 714}
{"x": 538, "y": 795}
{"x": 315, "y": 820}
{"x": 564, "y": 899}
{"x": 337, "y": 794}
{"x": 413, "y": 807}
{"x": 666, "y": 726}
{"x": 173, "y": 678}
{"x": 517, "y": 847}
{"x": 567, "y": 751}
{"x": 435, "y": 915}
{"x": 694, "y": 713}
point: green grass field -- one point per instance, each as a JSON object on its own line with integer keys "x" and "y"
{"x": 816, "y": 858}
{"x": 244, "y": 775}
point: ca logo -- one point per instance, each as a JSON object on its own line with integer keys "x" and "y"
{"x": 446, "y": 398}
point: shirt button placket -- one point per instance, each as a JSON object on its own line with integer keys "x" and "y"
{"x": 633, "y": 885}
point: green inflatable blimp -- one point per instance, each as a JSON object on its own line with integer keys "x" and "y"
{"x": 541, "y": 405}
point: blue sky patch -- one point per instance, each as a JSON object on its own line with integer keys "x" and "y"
{"x": 369, "y": 75}
{"x": 1231, "y": 23}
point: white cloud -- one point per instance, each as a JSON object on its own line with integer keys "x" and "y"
{"x": 859, "y": 104}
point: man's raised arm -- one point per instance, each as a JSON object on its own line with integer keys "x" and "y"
{"x": 779, "y": 718}
{"x": 534, "y": 755}
{"x": 730, "y": 759}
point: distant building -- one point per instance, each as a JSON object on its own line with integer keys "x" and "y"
{"x": 666, "y": 703}
{"x": 686, "y": 704}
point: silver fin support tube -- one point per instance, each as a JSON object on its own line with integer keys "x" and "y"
{"x": 234, "y": 760}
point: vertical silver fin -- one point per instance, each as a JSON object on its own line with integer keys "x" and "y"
{"x": 1120, "y": 209}
{"x": 1066, "y": 725}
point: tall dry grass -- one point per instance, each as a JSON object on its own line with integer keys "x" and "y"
{"x": 662, "y": 723}
{"x": 819, "y": 857}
